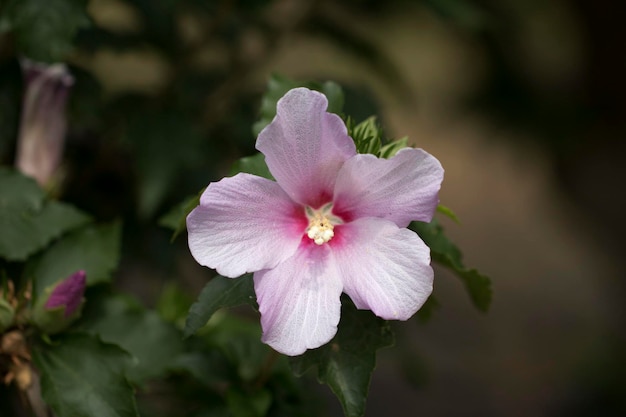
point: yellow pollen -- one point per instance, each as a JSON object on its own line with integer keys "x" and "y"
{"x": 321, "y": 224}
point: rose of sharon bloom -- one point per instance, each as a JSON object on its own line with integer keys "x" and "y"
{"x": 68, "y": 293}
{"x": 334, "y": 221}
{"x": 43, "y": 124}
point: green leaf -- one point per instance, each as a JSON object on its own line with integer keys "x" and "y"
{"x": 254, "y": 165}
{"x": 446, "y": 211}
{"x": 166, "y": 144}
{"x": 173, "y": 303}
{"x": 27, "y": 220}
{"x": 84, "y": 377}
{"x": 346, "y": 363}
{"x": 333, "y": 93}
{"x": 392, "y": 148}
{"x": 176, "y": 218}
{"x": 94, "y": 249}
{"x": 209, "y": 367}
{"x": 445, "y": 252}
{"x": 45, "y": 29}
{"x": 278, "y": 86}
{"x": 367, "y": 135}
{"x": 152, "y": 342}
{"x": 426, "y": 311}
{"x": 240, "y": 341}
{"x": 219, "y": 293}
{"x": 248, "y": 404}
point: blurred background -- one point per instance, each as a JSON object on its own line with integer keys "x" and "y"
{"x": 523, "y": 102}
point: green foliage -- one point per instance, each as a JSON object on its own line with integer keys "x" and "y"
{"x": 367, "y": 135}
{"x": 52, "y": 320}
{"x": 278, "y": 85}
{"x": 29, "y": 221}
{"x": 176, "y": 218}
{"x": 368, "y": 138}
{"x": 92, "y": 248}
{"x": 346, "y": 363}
{"x": 392, "y": 148}
{"x": 83, "y": 377}
{"x": 152, "y": 342}
{"x": 254, "y": 164}
{"x": 248, "y": 404}
{"x": 210, "y": 367}
{"x": 219, "y": 293}
{"x": 7, "y": 314}
{"x": 165, "y": 144}
{"x": 446, "y": 211}
{"x": 44, "y": 29}
{"x": 445, "y": 252}
{"x": 239, "y": 340}
{"x": 173, "y": 304}
{"x": 426, "y": 311}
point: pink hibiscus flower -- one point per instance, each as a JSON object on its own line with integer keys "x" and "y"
{"x": 334, "y": 221}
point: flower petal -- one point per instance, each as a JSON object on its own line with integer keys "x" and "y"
{"x": 385, "y": 269}
{"x": 68, "y": 293}
{"x": 305, "y": 146}
{"x": 299, "y": 300}
{"x": 243, "y": 224}
{"x": 400, "y": 189}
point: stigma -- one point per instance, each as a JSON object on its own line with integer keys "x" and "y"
{"x": 321, "y": 224}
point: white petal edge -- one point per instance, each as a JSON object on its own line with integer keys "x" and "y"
{"x": 299, "y": 301}
{"x": 384, "y": 268}
{"x": 401, "y": 189}
{"x": 244, "y": 224}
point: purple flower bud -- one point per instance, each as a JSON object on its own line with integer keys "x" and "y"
{"x": 43, "y": 124}
{"x": 68, "y": 293}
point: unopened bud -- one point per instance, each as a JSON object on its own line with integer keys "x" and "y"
{"x": 43, "y": 125}
{"x": 60, "y": 304}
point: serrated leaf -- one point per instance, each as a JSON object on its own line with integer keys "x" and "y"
{"x": 254, "y": 165}
{"x": 176, "y": 218}
{"x": 445, "y": 252}
{"x": 28, "y": 222}
{"x": 45, "y": 29}
{"x": 367, "y": 135}
{"x": 219, "y": 293}
{"x": 152, "y": 342}
{"x": 84, "y": 377}
{"x": 93, "y": 248}
{"x": 346, "y": 363}
{"x": 278, "y": 86}
{"x": 392, "y": 148}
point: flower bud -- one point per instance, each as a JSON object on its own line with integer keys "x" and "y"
{"x": 7, "y": 315}
{"x": 60, "y": 304}
{"x": 43, "y": 124}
